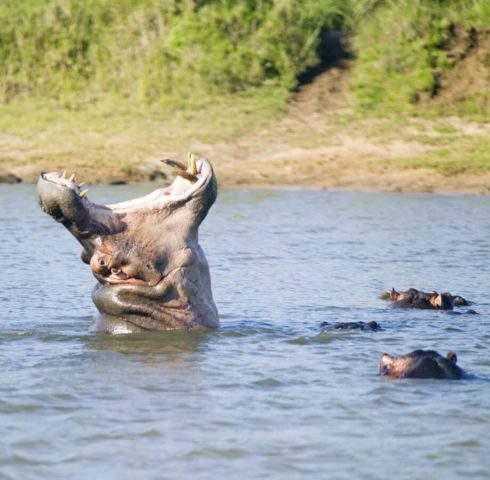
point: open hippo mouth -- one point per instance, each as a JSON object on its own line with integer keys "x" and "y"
{"x": 152, "y": 274}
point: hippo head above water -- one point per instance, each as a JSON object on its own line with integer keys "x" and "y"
{"x": 413, "y": 298}
{"x": 421, "y": 364}
{"x": 152, "y": 274}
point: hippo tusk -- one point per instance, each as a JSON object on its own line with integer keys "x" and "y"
{"x": 83, "y": 193}
{"x": 191, "y": 160}
{"x": 181, "y": 170}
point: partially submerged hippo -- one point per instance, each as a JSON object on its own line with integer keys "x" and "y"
{"x": 421, "y": 364}
{"x": 372, "y": 325}
{"x": 413, "y": 298}
{"x": 152, "y": 274}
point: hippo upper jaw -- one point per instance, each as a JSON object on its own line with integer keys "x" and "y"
{"x": 144, "y": 252}
{"x": 65, "y": 201}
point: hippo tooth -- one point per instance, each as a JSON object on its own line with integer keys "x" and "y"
{"x": 63, "y": 175}
{"x": 82, "y": 185}
{"x": 72, "y": 177}
{"x": 192, "y": 163}
{"x": 83, "y": 193}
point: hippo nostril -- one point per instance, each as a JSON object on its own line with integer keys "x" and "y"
{"x": 116, "y": 271}
{"x": 56, "y": 213}
{"x": 384, "y": 370}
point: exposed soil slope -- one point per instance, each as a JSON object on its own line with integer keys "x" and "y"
{"x": 470, "y": 76}
{"x": 313, "y": 145}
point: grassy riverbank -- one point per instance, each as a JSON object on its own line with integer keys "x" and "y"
{"x": 252, "y": 142}
{"x": 119, "y": 142}
{"x": 357, "y": 94}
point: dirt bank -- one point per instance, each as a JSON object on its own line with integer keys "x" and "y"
{"x": 313, "y": 145}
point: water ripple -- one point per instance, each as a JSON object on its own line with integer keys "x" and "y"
{"x": 270, "y": 394}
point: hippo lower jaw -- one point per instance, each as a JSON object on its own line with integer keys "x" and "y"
{"x": 152, "y": 274}
{"x": 179, "y": 301}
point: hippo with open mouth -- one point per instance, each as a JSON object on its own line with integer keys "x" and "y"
{"x": 152, "y": 274}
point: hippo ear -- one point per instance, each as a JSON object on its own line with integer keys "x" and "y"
{"x": 386, "y": 359}
{"x": 385, "y": 364}
{"x": 452, "y": 357}
{"x": 436, "y": 299}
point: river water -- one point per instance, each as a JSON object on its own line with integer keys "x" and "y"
{"x": 270, "y": 394}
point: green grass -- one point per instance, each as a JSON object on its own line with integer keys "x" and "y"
{"x": 152, "y": 51}
{"x": 402, "y": 50}
{"x": 114, "y": 140}
{"x": 453, "y": 155}
{"x": 167, "y": 51}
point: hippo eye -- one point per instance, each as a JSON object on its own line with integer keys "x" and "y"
{"x": 101, "y": 262}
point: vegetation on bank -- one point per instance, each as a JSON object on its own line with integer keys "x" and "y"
{"x": 76, "y": 77}
{"x": 404, "y": 47}
{"x": 112, "y": 141}
{"x": 148, "y": 51}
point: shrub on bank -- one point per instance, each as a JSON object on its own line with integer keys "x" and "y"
{"x": 148, "y": 50}
{"x": 402, "y": 49}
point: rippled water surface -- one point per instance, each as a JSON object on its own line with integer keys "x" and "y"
{"x": 270, "y": 394}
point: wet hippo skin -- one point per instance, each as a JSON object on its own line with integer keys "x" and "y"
{"x": 372, "y": 325}
{"x": 151, "y": 271}
{"x": 413, "y": 298}
{"x": 421, "y": 364}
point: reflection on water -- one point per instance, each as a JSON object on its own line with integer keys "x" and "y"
{"x": 270, "y": 394}
{"x": 176, "y": 348}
